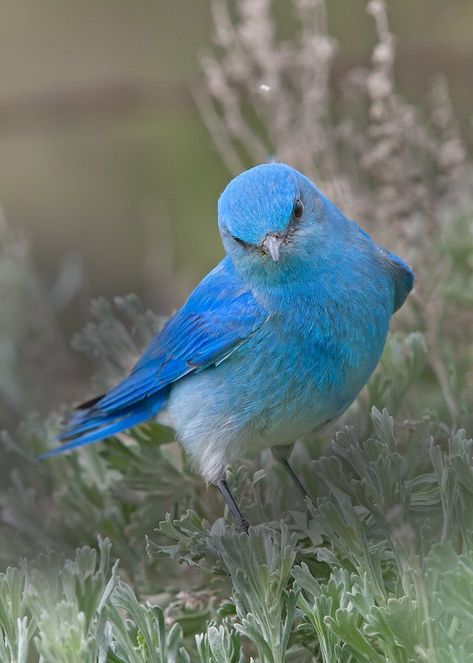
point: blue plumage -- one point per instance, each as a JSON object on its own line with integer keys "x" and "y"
{"x": 275, "y": 341}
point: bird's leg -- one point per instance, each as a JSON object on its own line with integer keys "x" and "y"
{"x": 281, "y": 454}
{"x": 241, "y": 525}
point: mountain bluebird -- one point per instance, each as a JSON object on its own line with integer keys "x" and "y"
{"x": 276, "y": 341}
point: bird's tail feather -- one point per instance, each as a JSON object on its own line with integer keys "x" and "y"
{"x": 91, "y": 425}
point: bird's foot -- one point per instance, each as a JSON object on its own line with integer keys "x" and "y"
{"x": 241, "y": 526}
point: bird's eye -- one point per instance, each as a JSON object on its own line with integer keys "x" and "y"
{"x": 241, "y": 242}
{"x": 298, "y": 209}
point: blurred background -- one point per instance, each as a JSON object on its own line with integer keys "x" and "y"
{"x": 108, "y": 175}
{"x": 104, "y": 159}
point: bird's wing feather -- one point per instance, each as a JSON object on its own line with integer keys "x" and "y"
{"x": 404, "y": 277}
{"x": 219, "y": 315}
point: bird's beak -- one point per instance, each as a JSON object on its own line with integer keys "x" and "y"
{"x": 271, "y": 245}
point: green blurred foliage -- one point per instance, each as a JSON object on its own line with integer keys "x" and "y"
{"x": 374, "y": 567}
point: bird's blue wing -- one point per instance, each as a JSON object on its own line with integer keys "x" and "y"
{"x": 404, "y": 277}
{"x": 219, "y": 315}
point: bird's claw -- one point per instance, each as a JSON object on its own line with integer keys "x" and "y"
{"x": 241, "y": 526}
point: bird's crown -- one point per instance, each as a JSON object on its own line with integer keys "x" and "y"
{"x": 259, "y": 201}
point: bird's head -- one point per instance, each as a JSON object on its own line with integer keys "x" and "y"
{"x": 273, "y": 220}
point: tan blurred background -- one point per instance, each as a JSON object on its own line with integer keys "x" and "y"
{"x": 103, "y": 158}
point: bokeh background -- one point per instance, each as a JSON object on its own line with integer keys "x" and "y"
{"x": 108, "y": 176}
{"x": 104, "y": 160}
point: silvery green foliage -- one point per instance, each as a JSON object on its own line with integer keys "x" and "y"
{"x": 220, "y": 644}
{"x": 142, "y": 637}
{"x": 31, "y": 344}
{"x": 116, "y": 336}
{"x": 67, "y": 599}
{"x": 396, "y": 585}
{"x": 369, "y": 498}
{"x": 390, "y": 506}
{"x": 53, "y": 609}
{"x": 15, "y": 629}
{"x": 77, "y": 611}
{"x": 401, "y": 365}
{"x": 259, "y": 566}
{"x": 378, "y": 569}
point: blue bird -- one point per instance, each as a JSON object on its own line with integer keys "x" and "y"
{"x": 276, "y": 341}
